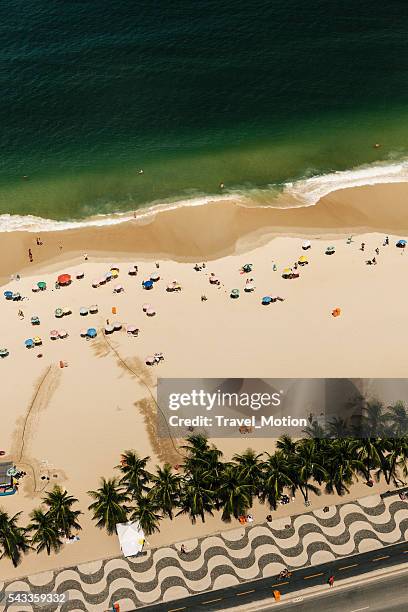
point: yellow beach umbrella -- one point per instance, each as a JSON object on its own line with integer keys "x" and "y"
{"x": 115, "y": 273}
{"x": 302, "y": 259}
{"x": 287, "y": 271}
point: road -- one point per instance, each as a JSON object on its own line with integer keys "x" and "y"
{"x": 346, "y": 567}
{"x": 387, "y": 594}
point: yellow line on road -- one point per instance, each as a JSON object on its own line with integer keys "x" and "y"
{"x": 312, "y": 576}
{"x": 176, "y": 609}
{"x": 211, "y": 601}
{"x": 348, "y": 566}
{"x": 245, "y": 592}
{"x": 380, "y": 558}
{"x": 279, "y": 584}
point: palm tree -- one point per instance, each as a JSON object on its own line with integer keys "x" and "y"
{"x": 135, "y": 476}
{"x": 287, "y": 446}
{"x": 249, "y": 466}
{"x": 145, "y": 514}
{"x": 398, "y": 417}
{"x": 306, "y": 466}
{"x": 341, "y": 465}
{"x": 339, "y": 428}
{"x": 165, "y": 492}
{"x": 203, "y": 462}
{"x": 315, "y": 430}
{"x": 195, "y": 497}
{"x": 393, "y": 457}
{"x": 234, "y": 493}
{"x": 275, "y": 477}
{"x": 109, "y": 507}
{"x": 368, "y": 451}
{"x": 45, "y": 533}
{"x": 374, "y": 420}
{"x": 13, "y": 539}
{"x": 59, "y": 505}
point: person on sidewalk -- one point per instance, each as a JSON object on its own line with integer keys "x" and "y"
{"x": 331, "y": 580}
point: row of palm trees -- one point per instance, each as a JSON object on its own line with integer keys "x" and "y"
{"x": 204, "y": 483}
{"x": 51, "y": 522}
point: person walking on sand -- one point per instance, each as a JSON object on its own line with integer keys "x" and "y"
{"x": 377, "y": 251}
{"x": 21, "y": 314}
{"x": 362, "y": 246}
{"x": 183, "y": 550}
{"x": 386, "y": 241}
{"x": 30, "y": 256}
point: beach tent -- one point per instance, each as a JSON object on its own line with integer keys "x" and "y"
{"x": 42, "y": 285}
{"x": 83, "y": 311}
{"x": 64, "y": 279}
{"x": 109, "y": 329}
{"x": 93, "y": 309}
{"x": 150, "y": 312}
{"x": 401, "y": 244}
{"x": 306, "y": 245}
{"x": 59, "y": 313}
{"x": 6, "y": 474}
{"x": 249, "y": 287}
{"x": 154, "y": 277}
{"x": 35, "y": 320}
{"x": 54, "y": 334}
{"x": 330, "y": 250}
{"x": 234, "y": 293}
{"x": 131, "y": 538}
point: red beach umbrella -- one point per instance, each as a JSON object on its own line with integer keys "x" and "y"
{"x": 64, "y": 279}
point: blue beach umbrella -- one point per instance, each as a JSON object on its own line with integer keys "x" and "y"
{"x": 147, "y": 284}
{"x": 91, "y": 333}
{"x": 8, "y": 295}
{"x": 401, "y": 244}
{"x": 29, "y": 343}
{"x": 266, "y": 300}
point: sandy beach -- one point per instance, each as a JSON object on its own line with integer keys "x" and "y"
{"x": 71, "y": 424}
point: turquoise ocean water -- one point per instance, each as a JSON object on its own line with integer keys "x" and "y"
{"x": 252, "y": 94}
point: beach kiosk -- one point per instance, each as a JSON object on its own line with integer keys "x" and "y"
{"x": 131, "y": 538}
{"x": 7, "y": 471}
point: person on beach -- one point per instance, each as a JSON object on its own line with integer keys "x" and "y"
{"x": 183, "y": 550}
{"x": 374, "y": 261}
{"x": 386, "y": 241}
{"x": 21, "y": 314}
{"x": 30, "y": 256}
{"x": 377, "y": 251}
{"x": 362, "y": 246}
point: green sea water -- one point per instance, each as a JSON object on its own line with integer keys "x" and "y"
{"x": 253, "y": 95}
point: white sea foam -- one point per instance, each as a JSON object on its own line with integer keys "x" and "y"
{"x": 305, "y": 192}
{"x": 309, "y": 191}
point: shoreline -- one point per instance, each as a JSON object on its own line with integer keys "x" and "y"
{"x": 210, "y": 231}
